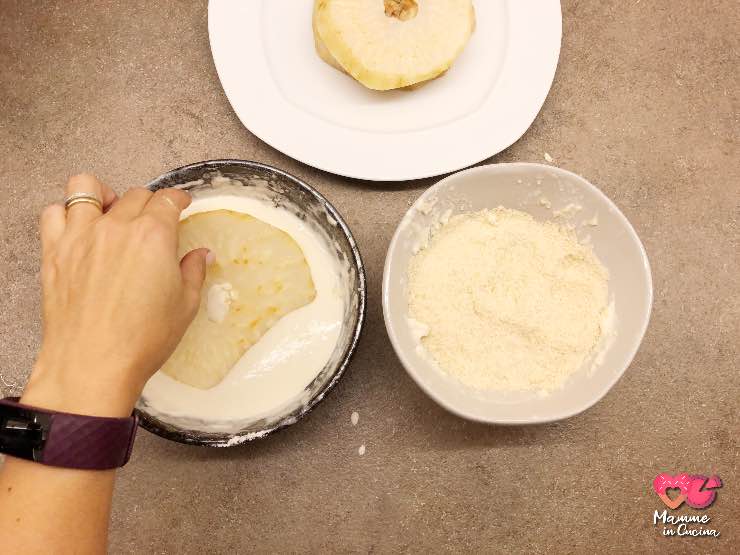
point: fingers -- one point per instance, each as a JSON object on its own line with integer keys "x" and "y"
{"x": 166, "y": 204}
{"x": 53, "y": 221}
{"x": 85, "y": 212}
{"x": 131, "y": 203}
{"x": 109, "y": 196}
{"x": 193, "y": 268}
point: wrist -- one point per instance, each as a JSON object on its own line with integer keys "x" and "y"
{"x": 79, "y": 390}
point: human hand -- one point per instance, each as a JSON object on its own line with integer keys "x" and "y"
{"x": 116, "y": 299}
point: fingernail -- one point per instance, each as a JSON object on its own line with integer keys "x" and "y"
{"x": 210, "y": 258}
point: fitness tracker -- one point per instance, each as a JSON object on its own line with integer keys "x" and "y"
{"x": 66, "y": 440}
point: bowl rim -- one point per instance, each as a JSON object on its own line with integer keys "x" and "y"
{"x": 224, "y": 439}
{"x": 401, "y": 353}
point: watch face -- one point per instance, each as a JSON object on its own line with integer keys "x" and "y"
{"x": 23, "y": 432}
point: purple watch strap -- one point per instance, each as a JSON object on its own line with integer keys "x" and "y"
{"x": 85, "y": 442}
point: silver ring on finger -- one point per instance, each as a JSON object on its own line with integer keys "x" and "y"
{"x": 171, "y": 202}
{"x": 82, "y": 198}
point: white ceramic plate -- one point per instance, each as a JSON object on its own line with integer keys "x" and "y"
{"x": 283, "y": 93}
{"x": 530, "y": 188}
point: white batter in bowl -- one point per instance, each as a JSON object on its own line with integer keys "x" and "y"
{"x": 298, "y": 360}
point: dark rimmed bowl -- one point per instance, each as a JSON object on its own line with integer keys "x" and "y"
{"x": 290, "y": 193}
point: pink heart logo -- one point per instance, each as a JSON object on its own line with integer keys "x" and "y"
{"x": 665, "y": 482}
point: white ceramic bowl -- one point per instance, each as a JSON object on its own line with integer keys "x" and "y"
{"x": 530, "y": 188}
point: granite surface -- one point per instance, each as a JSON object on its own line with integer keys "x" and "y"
{"x": 644, "y": 105}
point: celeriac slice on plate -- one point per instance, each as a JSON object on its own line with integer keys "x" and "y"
{"x": 390, "y": 44}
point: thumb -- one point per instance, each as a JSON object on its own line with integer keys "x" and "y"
{"x": 193, "y": 268}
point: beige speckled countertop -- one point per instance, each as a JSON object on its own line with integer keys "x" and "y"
{"x": 644, "y": 105}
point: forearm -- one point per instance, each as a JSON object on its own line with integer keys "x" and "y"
{"x": 50, "y": 509}
{"x": 43, "y": 506}
{"x": 116, "y": 300}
